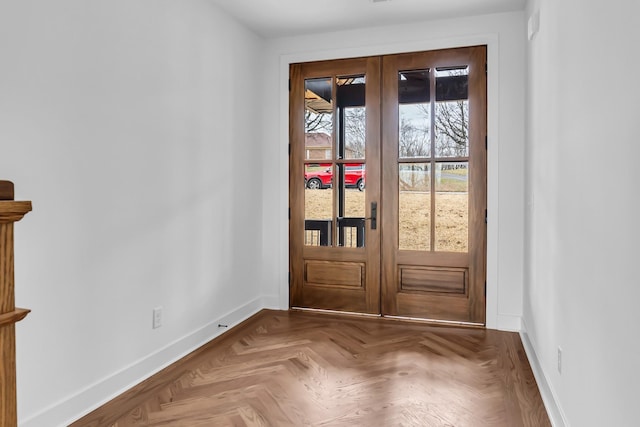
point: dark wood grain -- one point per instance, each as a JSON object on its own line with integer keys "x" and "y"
{"x": 6, "y": 190}
{"x": 363, "y": 261}
{"x": 13, "y": 316}
{"x": 381, "y": 290}
{"x": 298, "y": 368}
{"x": 432, "y": 303}
{"x": 10, "y": 211}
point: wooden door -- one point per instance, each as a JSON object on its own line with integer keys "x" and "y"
{"x": 434, "y": 185}
{"x": 388, "y": 185}
{"x": 334, "y": 183}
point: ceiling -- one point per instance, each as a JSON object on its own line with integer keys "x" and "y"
{"x": 282, "y": 18}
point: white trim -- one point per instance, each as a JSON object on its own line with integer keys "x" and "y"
{"x": 554, "y": 410}
{"x": 272, "y": 302}
{"x": 507, "y": 322}
{"x": 493, "y": 130}
{"x": 73, "y": 407}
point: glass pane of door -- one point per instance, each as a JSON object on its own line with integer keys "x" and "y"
{"x": 318, "y": 168}
{"x": 350, "y": 183}
{"x": 414, "y": 130}
{"x": 414, "y": 206}
{"x": 452, "y": 112}
{"x": 415, "y": 216}
{"x": 451, "y": 126}
{"x": 452, "y": 207}
{"x": 433, "y": 126}
{"x": 351, "y": 205}
{"x": 318, "y": 119}
{"x": 335, "y": 190}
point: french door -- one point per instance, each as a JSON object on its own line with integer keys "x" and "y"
{"x": 388, "y": 185}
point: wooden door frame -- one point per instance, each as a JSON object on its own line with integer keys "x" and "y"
{"x": 494, "y": 319}
{"x": 364, "y": 298}
{"x": 469, "y": 307}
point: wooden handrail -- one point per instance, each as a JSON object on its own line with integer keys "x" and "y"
{"x": 13, "y": 316}
{"x": 10, "y": 211}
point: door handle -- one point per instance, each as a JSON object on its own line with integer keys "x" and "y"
{"x": 374, "y": 215}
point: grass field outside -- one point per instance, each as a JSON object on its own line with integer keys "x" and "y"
{"x": 414, "y": 213}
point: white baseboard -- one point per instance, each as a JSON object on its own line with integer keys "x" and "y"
{"x": 81, "y": 403}
{"x": 271, "y": 302}
{"x": 511, "y": 323}
{"x": 556, "y": 415}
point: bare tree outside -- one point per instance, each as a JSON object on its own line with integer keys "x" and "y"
{"x": 452, "y": 128}
{"x": 452, "y": 117}
{"x": 317, "y": 122}
{"x": 413, "y": 137}
{"x": 355, "y": 132}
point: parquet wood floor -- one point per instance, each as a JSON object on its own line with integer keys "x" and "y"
{"x": 283, "y": 368}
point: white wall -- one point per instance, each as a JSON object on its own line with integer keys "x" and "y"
{"x": 505, "y": 36}
{"x": 582, "y": 229}
{"x": 132, "y": 127}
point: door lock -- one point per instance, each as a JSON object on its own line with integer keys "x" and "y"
{"x": 374, "y": 215}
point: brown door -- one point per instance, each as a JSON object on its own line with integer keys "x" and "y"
{"x": 414, "y": 126}
{"x": 334, "y": 183}
{"x": 434, "y": 185}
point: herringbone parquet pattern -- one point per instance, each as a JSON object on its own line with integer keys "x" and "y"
{"x": 309, "y": 369}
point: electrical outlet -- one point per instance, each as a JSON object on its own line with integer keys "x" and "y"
{"x": 560, "y": 360}
{"x": 157, "y": 317}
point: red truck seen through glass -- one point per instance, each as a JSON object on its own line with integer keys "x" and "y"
{"x": 318, "y": 176}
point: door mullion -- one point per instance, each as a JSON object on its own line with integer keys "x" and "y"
{"x": 334, "y": 155}
{"x": 432, "y": 163}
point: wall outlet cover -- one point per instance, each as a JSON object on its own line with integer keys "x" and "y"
{"x": 157, "y": 317}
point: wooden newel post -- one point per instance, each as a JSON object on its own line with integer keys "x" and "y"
{"x": 10, "y": 212}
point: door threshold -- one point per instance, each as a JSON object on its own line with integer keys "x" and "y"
{"x": 434, "y": 322}
{"x": 344, "y": 313}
